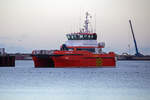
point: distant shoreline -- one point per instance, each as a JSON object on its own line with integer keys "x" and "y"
{"x": 27, "y": 56}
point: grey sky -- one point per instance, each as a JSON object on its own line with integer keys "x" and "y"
{"x": 42, "y": 24}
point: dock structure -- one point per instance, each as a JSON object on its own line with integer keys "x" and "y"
{"x": 6, "y": 60}
{"x": 22, "y": 56}
{"x": 133, "y": 57}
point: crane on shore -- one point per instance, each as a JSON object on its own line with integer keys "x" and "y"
{"x": 135, "y": 44}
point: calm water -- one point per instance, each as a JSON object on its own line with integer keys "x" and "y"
{"x": 130, "y": 80}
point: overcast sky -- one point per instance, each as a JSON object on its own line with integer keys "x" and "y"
{"x": 26, "y": 25}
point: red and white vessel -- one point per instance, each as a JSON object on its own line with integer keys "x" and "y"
{"x": 80, "y": 50}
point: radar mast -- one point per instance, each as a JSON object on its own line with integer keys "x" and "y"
{"x": 86, "y": 24}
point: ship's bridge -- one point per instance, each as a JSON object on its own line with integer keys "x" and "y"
{"x": 82, "y": 39}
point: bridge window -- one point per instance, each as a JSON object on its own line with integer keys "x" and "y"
{"x": 81, "y": 36}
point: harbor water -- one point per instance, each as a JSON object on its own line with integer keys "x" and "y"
{"x": 130, "y": 80}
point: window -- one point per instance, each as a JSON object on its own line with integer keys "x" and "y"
{"x": 87, "y": 49}
{"x": 81, "y": 36}
{"x": 94, "y": 36}
{"x": 72, "y": 37}
{"x": 70, "y": 49}
{"x": 89, "y": 36}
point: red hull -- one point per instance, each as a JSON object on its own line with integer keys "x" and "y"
{"x": 74, "y": 59}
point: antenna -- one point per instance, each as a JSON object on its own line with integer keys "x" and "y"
{"x": 95, "y": 24}
{"x": 80, "y": 22}
{"x": 86, "y": 22}
{"x": 91, "y": 26}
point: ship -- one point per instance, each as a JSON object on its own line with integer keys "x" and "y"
{"x": 6, "y": 60}
{"x": 80, "y": 50}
